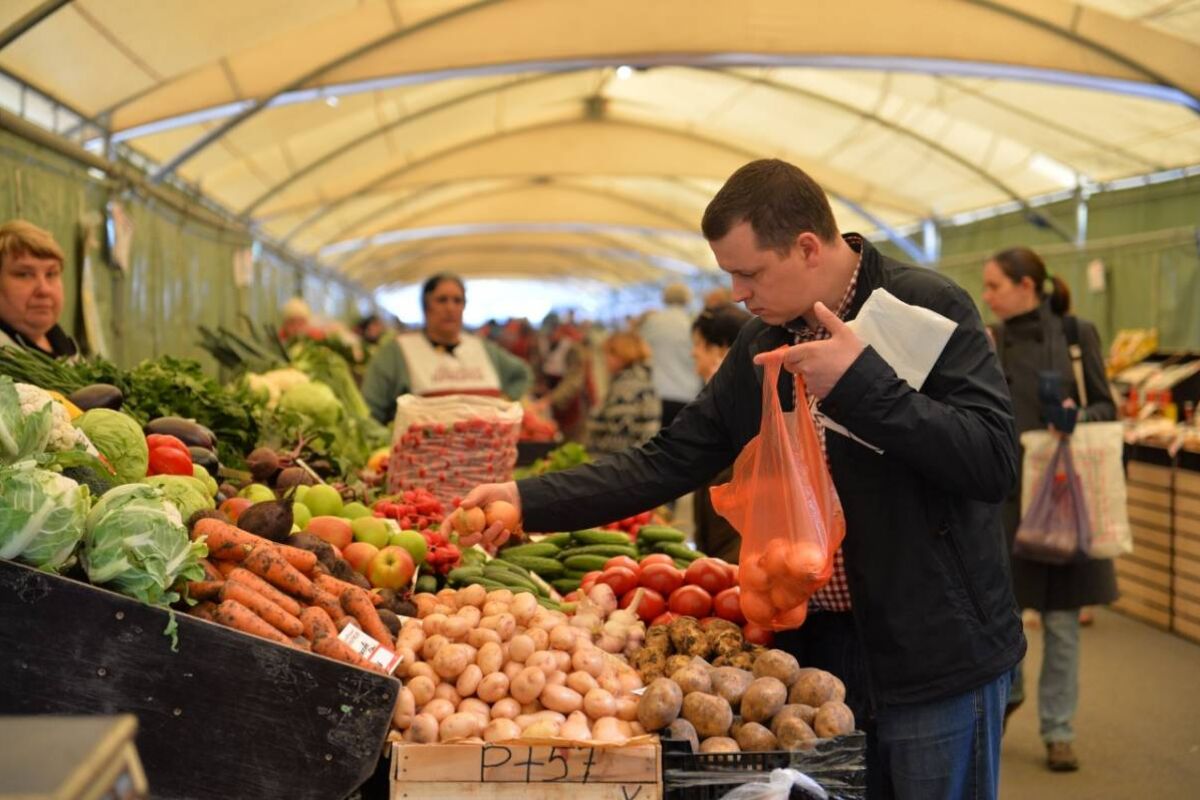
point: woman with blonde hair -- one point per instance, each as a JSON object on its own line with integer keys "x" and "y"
{"x": 631, "y": 412}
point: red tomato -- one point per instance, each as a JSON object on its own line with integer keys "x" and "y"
{"x": 657, "y": 558}
{"x": 710, "y": 574}
{"x": 652, "y": 604}
{"x": 728, "y": 605}
{"x": 755, "y": 634}
{"x": 621, "y": 579}
{"x": 665, "y": 619}
{"x": 163, "y": 440}
{"x": 589, "y": 579}
{"x": 662, "y": 578}
{"x": 169, "y": 461}
{"x": 623, "y": 561}
{"x": 691, "y": 601}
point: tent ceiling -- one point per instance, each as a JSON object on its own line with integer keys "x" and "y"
{"x": 392, "y": 137}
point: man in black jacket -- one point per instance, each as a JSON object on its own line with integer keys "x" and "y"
{"x": 922, "y": 573}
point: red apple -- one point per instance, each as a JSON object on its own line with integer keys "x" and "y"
{"x": 234, "y": 506}
{"x": 359, "y": 555}
{"x": 391, "y": 568}
{"x": 334, "y": 530}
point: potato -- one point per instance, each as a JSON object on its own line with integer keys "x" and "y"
{"x": 576, "y": 728}
{"x": 709, "y": 713}
{"x": 525, "y": 720}
{"x": 627, "y": 707}
{"x": 607, "y": 729}
{"x": 777, "y": 664}
{"x": 692, "y": 679}
{"x": 676, "y": 663}
{"x": 478, "y": 637}
{"x": 794, "y": 734}
{"x": 753, "y": 737}
{"x": 473, "y": 705}
{"x": 493, "y": 688}
{"x": 589, "y": 660}
{"x": 521, "y": 647}
{"x": 422, "y": 689}
{"x": 504, "y": 596}
{"x": 512, "y": 669}
{"x": 490, "y": 658}
{"x": 557, "y": 678}
{"x": 543, "y": 660}
{"x": 682, "y": 729}
{"x": 448, "y": 597}
{"x": 424, "y": 603}
{"x": 439, "y": 708}
{"x": 523, "y": 607}
{"x": 501, "y": 730}
{"x": 506, "y": 707}
{"x": 561, "y": 699}
{"x": 816, "y": 687}
{"x": 563, "y": 638}
{"x": 412, "y": 636}
{"x": 433, "y": 624}
{"x": 731, "y": 683}
{"x": 599, "y": 703}
{"x": 468, "y": 680}
{"x": 743, "y": 660}
{"x": 424, "y": 729}
{"x": 433, "y": 644}
{"x": 405, "y": 710}
{"x": 542, "y": 729}
{"x": 660, "y": 704}
{"x": 833, "y": 719}
{"x": 763, "y": 699}
{"x": 541, "y": 638}
{"x": 455, "y": 628}
{"x": 582, "y": 682}
{"x": 804, "y": 713}
{"x": 719, "y": 744}
{"x": 736, "y": 725}
{"x": 421, "y": 668}
{"x": 471, "y": 596}
{"x": 528, "y": 684}
{"x": 493, "y": 608}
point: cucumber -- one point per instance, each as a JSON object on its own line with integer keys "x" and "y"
{"x": 463, "y": 576}
{"x": 594, "y": 536}
{"x": 565, "y": 585}
{"x": 557, "y": 539}
{"x": 575, "y": 574}
{"x": 606, "y": 550}
{"x": 585, "y": 563}
{"x": 509, "y": 578}
{"x": 681, "y": 564}
{"x": 660, "y": 533}
{"x": 677, "y": 550}
{"x": 426, "y": 584}
{"x": 546, "y": 567}
{"x": 543, "y": 549}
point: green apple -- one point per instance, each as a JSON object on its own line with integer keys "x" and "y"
{"x": 356, "y": 510}
{"x": 323, "y": 501}
{"x": 299, "y": 492}
{"x": 257, "y": 493}
{"x": 295, "y": 528}
{"x": 301, "y": 515}
{"x": 412, "y": 541}
{"x": 371, "y": 530}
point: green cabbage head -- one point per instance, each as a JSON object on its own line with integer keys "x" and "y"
{"x": 314, "y": 400}
{"x": 41, "y": 515}
{"x": 135, "y": 542}
{"x": 120, "y": 439}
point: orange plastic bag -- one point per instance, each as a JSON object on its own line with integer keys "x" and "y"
{"x": 783, "y": 503}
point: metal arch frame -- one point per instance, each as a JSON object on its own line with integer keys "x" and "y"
{"x": 212, "y": 136}
{"x": 392, "y": 174}
{"x": 29, "y": 20}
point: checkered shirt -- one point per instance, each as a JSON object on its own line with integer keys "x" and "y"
{"x": 835, "y": 595}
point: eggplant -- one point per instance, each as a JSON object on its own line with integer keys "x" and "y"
{"x": 98, "y": 395}
{"x": 182, "y": 429}
{"x": 205, "y": 458}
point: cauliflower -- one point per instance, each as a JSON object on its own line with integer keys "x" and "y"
{"x": 275, "y": 383}
{"x": 63, "y": 435}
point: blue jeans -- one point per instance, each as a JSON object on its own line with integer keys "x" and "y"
{"x": 1058, "y": 686}
{"x": 944, "y": 750}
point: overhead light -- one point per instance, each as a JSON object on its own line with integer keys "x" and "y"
{"x": 624, "y": 72}
{"x": 1054, "y": 170}
{"x": 332, "y": 101}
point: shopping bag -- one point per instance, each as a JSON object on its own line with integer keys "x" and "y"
{"x": 1097, "y": 451}
{"x": 1055, "y": 529}
{"x": 783, "y": 503}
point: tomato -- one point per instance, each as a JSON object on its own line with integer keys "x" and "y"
{"x": 691, "y": 601}
{"x": 755, "y": 634}
{"x": 665, "y": 619}
{"x": 662, "y": 578}
{"x": 710, "y": 574}
{"x": 621, "y": 579}
{"x": 623, "y": 561}
{"x": 728, "y": 605}
{"x": 652, "y": 604}
{"x": 657, "y": 558}
{"x": 169, "y": 461}
{"x": 589, "y": 579}
{"x": 163, "y": 440}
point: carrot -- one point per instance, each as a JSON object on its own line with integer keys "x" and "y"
{"x": 226, "y": 567}
{"x": 324, "y": 600}
{"x": 225, "y": 542}
{"x": 269, "y": 611}
{"x": 335, "y": 586}
{"x": 234, "y": 615}
{"x": 204, "y": 590}
{"x": 332, "y": 647}
{"x": 243, "y": 575}
{"x": 357, "y": 603}
{"x": 317, "y": 623}
{"x": 205, "y": 610}
{"x": 302, "y": 560}
{"x": 211, "y": 572}
{"x": 302, "y": 644}
{"x": 266, "y": 562}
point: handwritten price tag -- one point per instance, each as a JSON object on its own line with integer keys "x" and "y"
{"x": 370, "y": 649}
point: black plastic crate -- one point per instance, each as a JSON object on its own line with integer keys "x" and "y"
{"x": 838, "y": 765}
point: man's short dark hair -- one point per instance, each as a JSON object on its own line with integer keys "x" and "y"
{"x": 778, "y": 199}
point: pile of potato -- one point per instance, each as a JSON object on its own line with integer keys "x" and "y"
{"x": 773, "y": 705}
{"x": 669, "y": 648}
{"x": 500, "y": 667}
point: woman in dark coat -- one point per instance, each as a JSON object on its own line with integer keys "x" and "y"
{"x": 1031, "y": 338}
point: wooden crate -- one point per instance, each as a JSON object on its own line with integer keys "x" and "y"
{"x": 526, "y": 772}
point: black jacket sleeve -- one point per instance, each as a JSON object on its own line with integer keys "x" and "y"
{"x": 1100, "y": 405}
{"x": 957, "y": 433}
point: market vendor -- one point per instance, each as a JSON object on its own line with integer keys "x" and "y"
{"x": 920, "y": 587}
{"x": 440, "y": 358}
{"x": 31, "y": 290}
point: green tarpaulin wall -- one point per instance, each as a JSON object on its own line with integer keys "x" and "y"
{"x": 181, "y": 271}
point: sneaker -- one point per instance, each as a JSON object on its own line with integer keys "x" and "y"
{"x": 1060, "y": 757}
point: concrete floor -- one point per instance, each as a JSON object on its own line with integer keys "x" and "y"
{"x": 1138, "y": 724}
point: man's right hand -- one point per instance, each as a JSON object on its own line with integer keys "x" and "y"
{"x": 495, "y": 535}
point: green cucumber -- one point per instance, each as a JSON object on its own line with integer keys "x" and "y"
{"x": 565, "y": 585}
{"x": 677, "y": 550}
{"x": 544, "y": 549}
{"x": 426, "y": 584}
{"x": 548, "y": 603}
{"x": 557, "y": 539}
{"x": 606, "y": 550}
{"x": 595, "y": 536}
{"x": 463, "y": 576}
{"x": 546, "y": 567}
{"x": 585, "y": 563}
{"x": 660, "y": 533}
{"x": 510, "y": 579}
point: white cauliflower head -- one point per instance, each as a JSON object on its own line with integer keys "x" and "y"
{"x": 63, "y": 435}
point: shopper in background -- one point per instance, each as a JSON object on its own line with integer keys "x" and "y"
{"x": 370, "y": 329}
{"x": 713, "y": 333}
{"x": 31, "y": 290}
{"x": 933, "y": 628}
{"x": 564, "y": 377}
{"x": 631, "y": 412}
{"x": 1032, "y": 339}
{"x": 668, "y": 332}
{"x": 296, "y": 315}
{"x": 718, "y": 297}
{"x": 441, "y": 358}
